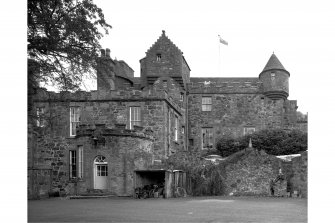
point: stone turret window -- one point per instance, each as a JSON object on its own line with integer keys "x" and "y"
{"x": 158, "y": 57}
{"x": 206, "y": 103}
{"x": 165, "y": 83}
{"x": 273, "y": 76}
{"x": 207, "y": 139}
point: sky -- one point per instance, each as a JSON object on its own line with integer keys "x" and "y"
{"x": 298, "y": 33}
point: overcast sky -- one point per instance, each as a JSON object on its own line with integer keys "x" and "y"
{"x": 298, "y": 32}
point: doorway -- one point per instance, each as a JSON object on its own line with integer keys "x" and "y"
{"x": 100, "y": 172}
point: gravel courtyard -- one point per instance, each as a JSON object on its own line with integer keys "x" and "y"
{"x": 199, "y": 209}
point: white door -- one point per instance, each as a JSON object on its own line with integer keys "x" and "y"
{"x": 100, "y": 173}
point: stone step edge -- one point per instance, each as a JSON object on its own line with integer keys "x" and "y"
{"x": 89, "y": 197}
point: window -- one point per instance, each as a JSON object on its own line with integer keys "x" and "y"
{"x": 158, "y": 57}
{"x": 135, "y": 117}
{"x": 176, "y": 128}
{"x": 191, "y": 142}
{"x": 164, "y": 83}
{"x": 181, "y": 96}
{"x": 273, "y": 75}
{"x": 80, "y": 162}
{"x": 102, "y": 170}
{"x": 167, "y": 152}
{"x": 74, "y": 120}
{"x": 206, "y": 103}
{"x": 248, "y": 130}
{"x": 40, "y": 122}
{"x": 101, "y": 166}
{"x": 76, "y": 163}
{"x": 73, "y": 164}
{"x": 183, "y": 130}
{"x": 207, "y": 138}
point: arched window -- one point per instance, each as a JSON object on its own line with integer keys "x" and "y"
{"x": 100, "y": 160}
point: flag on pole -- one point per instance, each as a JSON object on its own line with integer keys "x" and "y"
{"x": 223, "y": 41}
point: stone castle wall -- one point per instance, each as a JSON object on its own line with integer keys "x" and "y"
{"x": 231, "y": 113}
{"x": 224, "y": 85}
{"x": 170, "y": 63}
{"x": 300, "y": 175}
{"x": 124, "y": 150}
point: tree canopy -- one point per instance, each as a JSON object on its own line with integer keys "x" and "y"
{"x": 63, "y": 40}
{"x": 272, "y": 141}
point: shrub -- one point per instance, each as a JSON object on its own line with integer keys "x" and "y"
{"x": 205, "y": 177}
{"x": 272, "y": 141}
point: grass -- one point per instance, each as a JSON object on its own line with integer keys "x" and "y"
{"x": 199, "y": 209}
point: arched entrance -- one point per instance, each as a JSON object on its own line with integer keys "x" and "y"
{"x": 100, "y": 172}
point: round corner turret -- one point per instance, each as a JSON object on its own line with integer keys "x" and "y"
{"x": 275, "y": 79}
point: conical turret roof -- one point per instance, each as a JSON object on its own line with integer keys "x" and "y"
{"x": 273, "y": 63}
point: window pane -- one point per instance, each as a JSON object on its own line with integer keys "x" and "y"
{"x": 73, "y": 165}
{"x": 80, "y": 162}
{"x": 135, "y": 116}
{"x": 207, "y": 100}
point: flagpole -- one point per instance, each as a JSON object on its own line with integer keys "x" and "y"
{"x": 219, "y": 58}
{"x": 225, "y": 43}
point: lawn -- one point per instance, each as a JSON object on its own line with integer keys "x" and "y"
{"x": 199, "y": 209}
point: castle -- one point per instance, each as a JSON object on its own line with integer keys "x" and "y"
{"x": 107, "y": 138}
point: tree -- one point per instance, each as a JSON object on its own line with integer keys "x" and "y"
{"x": 272, "y": 141}
{"x": 63, "y": 40}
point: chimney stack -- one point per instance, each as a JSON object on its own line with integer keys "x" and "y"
{"x": 108, "y": 52}
{"x": 103, "y": 54}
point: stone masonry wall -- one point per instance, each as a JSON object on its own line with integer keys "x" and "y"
{"x": 224, "y": 85}
{"x": 49, "y": 173}
{"x": 124, "y": 150}
{"x": 250, "y": 172}
{"x": 300, "y": 173}
{"x": 124, "y": 154}
{"x": 170, "y": 63}
{"x": 231, "y": 113}
{"x": 110, "y": 109}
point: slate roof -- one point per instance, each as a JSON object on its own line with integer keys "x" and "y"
{"x": 273, "y": 63}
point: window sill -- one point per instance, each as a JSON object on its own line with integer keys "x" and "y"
{"x": 76, "y": 180}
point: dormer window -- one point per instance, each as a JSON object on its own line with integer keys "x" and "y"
{"x": 158, "y": 57}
